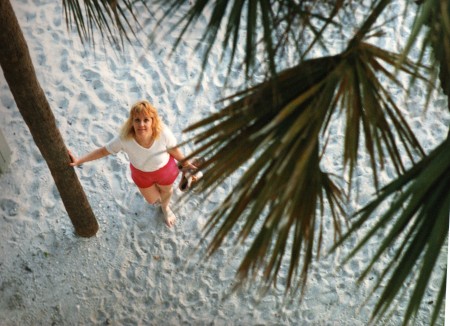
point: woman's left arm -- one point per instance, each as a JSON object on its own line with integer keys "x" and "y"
{"x": 178, "y": 155}
{"x": 175, "y": 151}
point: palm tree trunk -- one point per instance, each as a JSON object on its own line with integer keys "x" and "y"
{"x": 20, "y": 75}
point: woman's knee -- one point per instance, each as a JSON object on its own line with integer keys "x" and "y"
{"x": 151, "y": 195}
{"x": 153, "y": 201}
{"x": 166, "y": 190}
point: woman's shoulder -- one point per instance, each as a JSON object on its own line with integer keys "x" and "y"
{"x": 127, "y": 142}
{"x": 168, "y": 136}
{"x": 124, "y": 141}
{"x": 115, "y": 145}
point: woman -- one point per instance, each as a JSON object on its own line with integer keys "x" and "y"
{"x": 152, "y": 151}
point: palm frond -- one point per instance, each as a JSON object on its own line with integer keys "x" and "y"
{"x": 256, "y": 23}
{"x": 280, "y": 128}
{"x": 419, "y": 232}
{"x": 280, "y": 192}
{"x": 111, "y": 17}
{"x": 367, "y": 104}
{"x": 432, "y": 20}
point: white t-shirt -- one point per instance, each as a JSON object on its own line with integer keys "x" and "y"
{"x": 145, "y": 159}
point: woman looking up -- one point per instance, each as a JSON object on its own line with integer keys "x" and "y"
{"x": 151, "y": 149}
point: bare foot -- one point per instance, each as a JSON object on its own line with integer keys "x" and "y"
{"x": 169, "y": 217}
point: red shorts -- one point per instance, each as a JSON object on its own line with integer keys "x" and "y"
{"x": 164, "y": 176}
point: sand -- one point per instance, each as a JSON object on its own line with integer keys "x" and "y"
{"x": 136, "y": 271}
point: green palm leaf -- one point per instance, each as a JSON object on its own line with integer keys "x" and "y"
{"x": 111, "y": 17}
{"x": 419, "y": 232}
{"x": 369, "y": 105}
{"x": 280, "y": 128}
{"x": 279, "y": 195}
{"x": 417, "y": 220}
{"x": 302, "y": 17}
{"x": 432, "y": 20}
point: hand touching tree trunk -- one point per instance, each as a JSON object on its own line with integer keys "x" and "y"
{"x": 20, "y": 75}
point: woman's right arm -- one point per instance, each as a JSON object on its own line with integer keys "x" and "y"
{"x": 94, "y": 155}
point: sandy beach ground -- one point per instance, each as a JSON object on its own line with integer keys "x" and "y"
{"x": 136, "y": 271}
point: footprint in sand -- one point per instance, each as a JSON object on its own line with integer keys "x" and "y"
{"x": 9, "y": 206}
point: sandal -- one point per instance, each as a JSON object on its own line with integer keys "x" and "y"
{"x": 191, "y": 176}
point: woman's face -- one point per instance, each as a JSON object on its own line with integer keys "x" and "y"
{"x": 142, "y": 124}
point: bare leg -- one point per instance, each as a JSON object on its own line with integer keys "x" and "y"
{"x": 160, "y": 194}
{"x": 151, "y": 194}
{"x": 166, "y": 195}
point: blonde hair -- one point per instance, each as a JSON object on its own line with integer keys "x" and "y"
{"x": 143, "y": 106}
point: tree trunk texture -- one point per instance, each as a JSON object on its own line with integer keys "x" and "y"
{"x": 20, "y": 75}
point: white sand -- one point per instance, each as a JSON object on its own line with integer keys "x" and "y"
{"x": 136, "y": 271}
